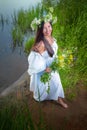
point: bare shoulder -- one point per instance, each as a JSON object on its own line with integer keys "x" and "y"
{"x": 41, "y": 47}
{"x": 41, "y": 44}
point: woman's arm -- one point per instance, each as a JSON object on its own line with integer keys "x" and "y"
{"x": 40, "y": 48}
{"x": 36, "y": 63}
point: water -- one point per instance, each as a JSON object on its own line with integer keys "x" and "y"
{"x": 12, "y": 64}
{"x": 7, "y": 7}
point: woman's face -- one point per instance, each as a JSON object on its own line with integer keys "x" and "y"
{"x": 47, "y": 29}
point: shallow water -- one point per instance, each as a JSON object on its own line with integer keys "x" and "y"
{"x": 12, "y": 64}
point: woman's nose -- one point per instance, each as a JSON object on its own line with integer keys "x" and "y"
{"x": 47, "y": 29}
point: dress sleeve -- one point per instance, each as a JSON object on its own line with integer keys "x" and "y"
{"x": 55, "y": 47}
{"x": 36, "y": 63}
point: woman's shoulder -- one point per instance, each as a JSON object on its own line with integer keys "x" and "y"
{"x": 41, "y": 43}
{"x": 32, "y": 56}
{"x": 33, "y": 53}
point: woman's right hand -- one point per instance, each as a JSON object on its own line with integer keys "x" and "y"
{"x": 48, "y": 69}
{"x": 39, "y": 47}
{"x": 35, "y": 48}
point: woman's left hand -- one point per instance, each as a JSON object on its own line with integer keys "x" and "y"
{"x": 48, "y": 69}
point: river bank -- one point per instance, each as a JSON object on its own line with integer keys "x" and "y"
{"x": 20, "y": 84}
{"x": 48, "y": 114}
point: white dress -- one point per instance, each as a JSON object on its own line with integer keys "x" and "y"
{"x": 37, "y": 65}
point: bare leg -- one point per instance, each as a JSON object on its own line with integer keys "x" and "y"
{"x": 61, "y": 102}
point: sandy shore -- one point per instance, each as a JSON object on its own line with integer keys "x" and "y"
{"x": 20, "y": 84}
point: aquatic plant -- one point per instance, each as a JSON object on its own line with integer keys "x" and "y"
{"x": 28, "y": 45}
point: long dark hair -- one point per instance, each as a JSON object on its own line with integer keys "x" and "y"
{"x": 40, "y": 37}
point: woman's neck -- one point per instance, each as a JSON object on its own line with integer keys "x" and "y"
{"x": 48, "y": 37}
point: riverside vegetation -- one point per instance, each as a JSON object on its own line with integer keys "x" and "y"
{"x": 71, "y": 34}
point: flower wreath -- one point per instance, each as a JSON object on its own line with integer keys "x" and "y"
{"x": 46, "y": 18}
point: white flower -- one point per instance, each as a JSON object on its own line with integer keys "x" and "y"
{"x": 54, "y": 20}
{"x": 50, "y": 16}
{"x": 64, "y": 55}
{"x": 51, "y": 9}
{"x": 32, "y": 27}
{"x": 38, "y": 21}
{"x": 46, "y": 18}
{"x": 34, "y": 23}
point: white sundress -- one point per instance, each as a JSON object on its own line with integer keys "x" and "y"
{"x": 37, "y": 65}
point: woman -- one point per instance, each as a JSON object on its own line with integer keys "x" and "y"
{"x": 40, "y": 58}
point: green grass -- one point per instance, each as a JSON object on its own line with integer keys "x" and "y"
{"x": 28, "y": 45}
{"x": 70, "y": 31}
{"x": 16, "y": 115}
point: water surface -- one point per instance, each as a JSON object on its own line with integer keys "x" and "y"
{"x": 12, "y": 64}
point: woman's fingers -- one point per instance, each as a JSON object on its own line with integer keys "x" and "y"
{"x": 36, "y": 48}
{"x": 39, "y": 47}
{"x": 48, "y": 69}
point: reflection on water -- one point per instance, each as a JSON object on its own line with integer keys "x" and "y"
{"x": 12, "y": 64}
{"x": 7, "y": 7}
